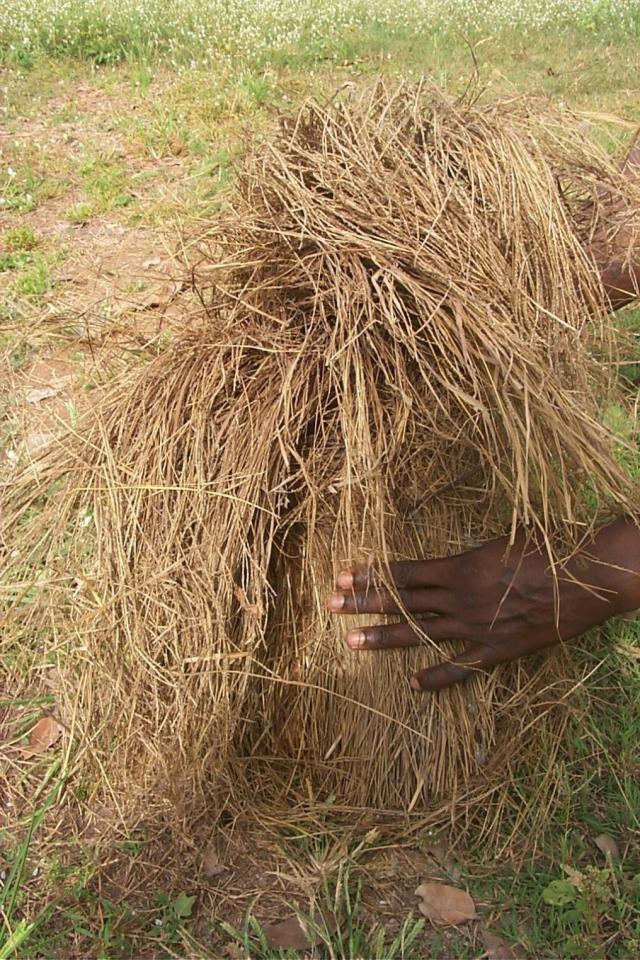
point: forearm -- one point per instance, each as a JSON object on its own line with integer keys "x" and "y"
{"x": 612, "y": 565}
{"x": 620, "y": 269}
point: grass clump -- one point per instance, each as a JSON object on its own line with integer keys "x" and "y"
{"x": 105, "y": 185}
{"x": 21, "y": 239}
{"x": 32, "y": 269}
{"x": 13, "y": 261}
{"x": 34, "y": 278}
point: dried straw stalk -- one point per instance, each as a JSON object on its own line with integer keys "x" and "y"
{"x": 404, "y": 353}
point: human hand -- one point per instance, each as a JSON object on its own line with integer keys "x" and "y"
{"x": 502, "y": 602}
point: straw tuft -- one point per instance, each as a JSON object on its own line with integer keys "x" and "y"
{"x": 404, "y": 353}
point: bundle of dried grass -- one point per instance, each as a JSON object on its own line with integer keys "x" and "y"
{"x": 398, "y": 360}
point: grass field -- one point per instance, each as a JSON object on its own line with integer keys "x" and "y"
{"x": 119, "y": 127}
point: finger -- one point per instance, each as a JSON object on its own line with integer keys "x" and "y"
{"x": 380, "y": 601}
{"x": 476, "y": 657}
{"x": 394, "y": 635}
{"x": 405, "y": 575}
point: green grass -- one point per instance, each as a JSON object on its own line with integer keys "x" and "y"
{"x": 30, "y": 269}
{"x": 337, "y": 926}
{"x": 25, "y": 188}
{"x": 630, "y": 368}
{"x": 34, "y": 279}
{"x": 13, "y": 261}
{"x": 572, "y": 901}
{"x": 21, "y": 239}
{"x": 16, "y": 933}
{"x": 105, "y": 186}
{"x": 184, "y": 30}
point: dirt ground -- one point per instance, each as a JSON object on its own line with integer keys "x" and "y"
{"x": 114, "y": 280}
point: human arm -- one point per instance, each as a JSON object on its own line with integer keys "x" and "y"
{"x": 620, "y": 272}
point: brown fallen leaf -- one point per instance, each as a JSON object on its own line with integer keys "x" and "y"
{"x": 34, "y": 442}
{"x": 291, "y": 934}
{"x": 575, "y": 876}
{"x": 495, "y": 947}
{"x": 443, "y": 904}
{"x": 41, "y": 393}
{"x": 44, "y": 734}
{"x": 211, "y": 865}
{"x": 286, "y": 935}
{"x": 234, "y": 951}
{"x": 177, "y": 146}
{"x": 608, "y": 846}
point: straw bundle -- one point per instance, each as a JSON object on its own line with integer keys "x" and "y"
{"x": 397, "y": 360}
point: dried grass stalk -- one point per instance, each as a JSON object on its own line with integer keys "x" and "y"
{"x": 404, "y": 354}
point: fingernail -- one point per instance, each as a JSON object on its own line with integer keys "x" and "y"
{"x": 335, "y": 603}
{"x": 345, "y": 580}
{"x": 414, "y": 683}
{"x": 356, "y": 639}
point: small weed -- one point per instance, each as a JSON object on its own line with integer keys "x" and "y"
{"x": 24, "y": 189}
{"x": 258, "y": 89}
{"x": 66, "y": 115}
{"x": 34, "y": 281}
{"x": 136, "y": 286}
{"x": 174, "y": 913}
{"x": 586, "y": 910}
{"x": 133, "y": 845}
{"x": 141, "y": 76}
{"x": 114, "y": 943}
{"x": 629, "y": 325}
{"x": 80, "y": 213}
{"x": 13, "y": 261}
{"x": 216, "y": 171}
{"x": 166, "y": 133}
{"x": 105, "y": 184}
{"x": 20, "y": 239}
{"x": 21, "y": 56}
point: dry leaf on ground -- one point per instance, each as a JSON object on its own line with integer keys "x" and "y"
{"x": 495, "y": 947}
{"x": 608, "y": 846}
{"x": 234, "y": 951}
{"x": 44, "y": 734}
{"x": 34, "y": 442}
{"x": 286, "y": 935}
{"x": 41, "y": 393}
{"x": 443, "y": 904}
{"x": 575, "y": 877}
{"x": 290, "y": 934}
{"x": 211, "y": 865}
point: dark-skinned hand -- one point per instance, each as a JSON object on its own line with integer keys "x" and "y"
{"x": 502, "y": 602}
